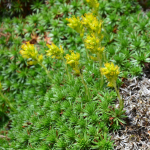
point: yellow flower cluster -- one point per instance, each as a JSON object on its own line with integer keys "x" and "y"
{"x": 92, "y": 23}
{"x": 73, "y": 59}
{"x": 76, "y": 24}
{"x": 93, "y": 44}
{"x": 93, "y": 40}
{"x": 89, "y": 21}
{"x": 94, "y": 28}
{"x": 28, "y": 51}
{"x": 54, "y": 51}
{"x": 93, "y": 4}
{"x": 111, "y": 72}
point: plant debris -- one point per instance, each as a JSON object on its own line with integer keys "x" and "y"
{"x": 135, "y": 135}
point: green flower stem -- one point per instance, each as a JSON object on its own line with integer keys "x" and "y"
{"x": 104, "y": 56}
{"x": 99, "y": 16}
{"x": 85, "y": 85}
{"x": 121, "y": 105}
{"x": 7, "y": 101}
{"x": 66, "y": 67}
{"x": 40, "y": 63}
{"x": 87, "y": 54}
{"x": 100, "y": 64}
{"x": 47, "y": 72}
{"x": 99, "y": 60}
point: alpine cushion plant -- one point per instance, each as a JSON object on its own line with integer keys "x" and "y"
{"x": 6, "y": 101}
{"x": 55, "y": 114}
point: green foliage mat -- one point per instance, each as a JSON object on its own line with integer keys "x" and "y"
{"x": 55, "y": 114}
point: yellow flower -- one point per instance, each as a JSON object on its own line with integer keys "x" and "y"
{"x": 40, "y": 58}
{"x": 92, "y": 23}
{"x": 28, "y": 51}
{"x": 88, "y": 19}
{"x": 32, "y": 63}
{"x": 111, "y": 72}
{"x": 76, "y": 24}
{"x": 73, "y": 59}
{"x": 24, "y": 54}
{"x": 93, "y": 44}
{"x": 54, "y": 51}
{"x": 77, "y": 71}
{"x": 94, "y": 58}
{"x": 94, "y": 4}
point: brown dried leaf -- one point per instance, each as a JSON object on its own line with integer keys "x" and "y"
{"x": 47, "y": 39}
{"x": 111, "y": 118}
{"x": 35, "y": 39}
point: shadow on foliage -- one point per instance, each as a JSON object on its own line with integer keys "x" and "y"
{"x": 3, "y": 119}
{"x": 16, "y": 8}
{"x": 145, "y": 4}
